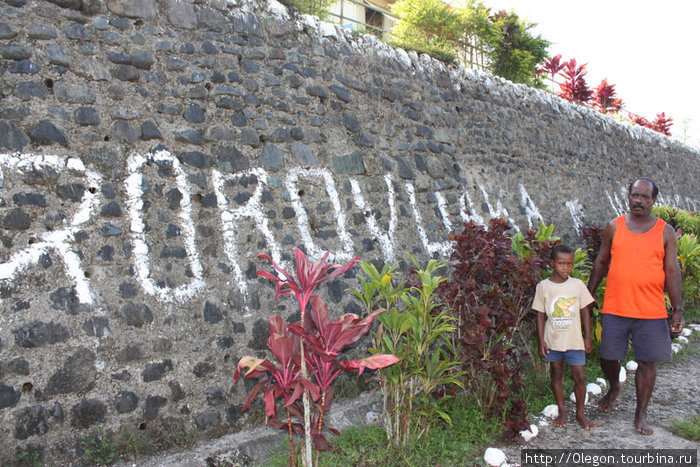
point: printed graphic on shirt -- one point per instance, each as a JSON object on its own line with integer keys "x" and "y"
{"x": 561, "y": 312}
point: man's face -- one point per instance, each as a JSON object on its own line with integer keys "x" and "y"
{"x": 640, "y": 198}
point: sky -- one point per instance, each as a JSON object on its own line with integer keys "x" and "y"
{"x": 648, "y": 49}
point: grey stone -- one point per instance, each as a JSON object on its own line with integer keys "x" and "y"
{"x": 110, "y": 230}
{"x": 246, "y": 23}
{"x": 172, "y": 231}
{"x": 250, "y": 137}
{"x": 115, "y": 92}
{"x": 30, "y": 421}
{"x": 259, "y": 335}
{"x": 239, "y": 120}
{"x": 196, "y": 159}
{"x": 8, "y": 396}
{"x": 180, "y": 14}
{"x": 230, "y": 159}
{"x": 142, "y": 59}
{"x": 32, "y": 199}
{"x": 71, "y": 191}
{"x": 106, "y": 253}
{"x": 137, "y": 314}
{"x": 12, "y": 137}
{"x": 25, "y": 67}
{"x": 188, "y": 135}
{"x": 404, "y": 170}
{"x": 78, "y": 32}
{"x": 118, "y": 58}
{"x": 176, "y": 392}
{"x": 349, "y": 164}
{"x": 73, "y": 93}
{"x": 127, "y": 290}
{"x": 194, "y": 113}
{"x": 363, "y": 139}
{"x": 155, "y": 371}
{"x": 15, "y": 52}
{"x": 17, "y": 219}
{"x": 175, "y": 64}
{"x": 207, "y": 419}
{"x": 87, "y": 413}
{"x": 123, "y": 132}
{"x": 341, "y": 93}
{"x": 279, "y": 135}
{"x": 56, "y": 412}
{"x": 86, "y": 116}
{"x": 317, "y": 91}
{"x": 129, "y": 353}
{"x": 215, "y": 396}
{"x": 123, "y": 113}
{"x": 37, "y": 334}
{"x": 303, "y": 154}
{"x": 126, "y": 401}
{"x": 18, "y": 366}
{"x": 202, "y": 369}
{"x": 122, "y": 24}
{"x": 352, "y": 122}
{"x": 77, "y": 374}
{"x": 66, "y": 299}
{"x": 209, "y": 18}
{"x": 126, "y": 73}
{"x": 150, "y": 131}
{"x": 212, "y": 313}
{"x": 271, "y": 158}
{"x": 137, "y": 9}
{"x": 173, "y": 197}
{"x": 97, "y": 326}
{"x": 56, "y": 55}
{"x": 6, "y": 31}
{"x": 152, "y": 406}
{"x": 173, "y": 252}
{"x": 45, "y": 133}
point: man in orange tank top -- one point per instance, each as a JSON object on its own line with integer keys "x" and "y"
{"x": 639, "y": 256}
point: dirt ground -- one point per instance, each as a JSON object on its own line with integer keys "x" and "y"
{"x": 676, "y": 397}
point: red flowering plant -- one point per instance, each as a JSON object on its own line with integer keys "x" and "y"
{"x": 662, "y": 124}
{"x": 605, "y": 100}
{"x": 551, "y": 66}
{"x": 574, "y": 88}
{"x": 313, "y": 344}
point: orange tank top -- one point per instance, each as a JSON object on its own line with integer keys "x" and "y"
{"x": 635, "y": 284}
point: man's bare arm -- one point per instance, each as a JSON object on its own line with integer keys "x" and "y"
{"x": 602, "y": 261}
{"x": 674, "y": 283}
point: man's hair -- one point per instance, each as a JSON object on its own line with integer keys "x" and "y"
{"x": 654, "y": 188}
{"x": 560, "y": 248}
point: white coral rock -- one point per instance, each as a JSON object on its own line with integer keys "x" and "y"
{"x": 631, "y": 365}
{"x": 675, "y": 347}
{"x": 686, "y": 332}
{"x": 529, "y": 434}
{"x": 551, "y": 411}
{"x": 494, "y": 456}
{"x": 601, "y": 382}
{"x": 623, "y": 375}
{"x": 682, "y": 340}
{"x": 593, "y": 389}
{"x": 573, "y": 398}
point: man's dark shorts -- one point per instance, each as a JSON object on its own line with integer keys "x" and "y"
{"x": 650, "y": 338}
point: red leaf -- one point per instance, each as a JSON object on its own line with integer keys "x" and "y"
{"x": 374, "y": 362}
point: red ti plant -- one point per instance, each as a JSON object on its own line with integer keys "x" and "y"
{"x": 552, "y": 66}
{"x": 574, "y": 88}
{"x": 605, "y": 100}
{"x": 639, "y": 120}
{"x": 327, "y": 341}
{"x": 662, "y": 124}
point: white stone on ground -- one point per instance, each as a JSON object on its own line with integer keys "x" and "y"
{"x": 593, "y": 389}
{"x": 682, "y": 340}
{"x": 675, "y": 347}
{"x": 686, "y": 332}
{"x": 573, "y": 398}
{"x": 373, "y": 417}
{"x": 529, "y": 434}
{"x": 551, "y": 411}
{"x": 631, "y": 365}
{"x": 623, "y": 375}
{"x": 694, "y": 327}
{"x": 601, "y": 382}
{"x": 494, "y": 456}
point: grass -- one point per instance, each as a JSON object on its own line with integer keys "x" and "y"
{"x": 462, "y": 443}
{"x": 688, "y": 429}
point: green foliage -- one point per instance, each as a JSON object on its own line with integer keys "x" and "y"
{"x": 513, "y": 50}
{"x": 688, "y": 429}
{"x": 428, "y": 26}
{"x": 524, "y": 248}
{"x": 309, "y": 7}
{"x": 29, "y": 456}
{"x": 98, "y": 449}
{"x": 415, "y": 327}
{"x": 687, "y": 222}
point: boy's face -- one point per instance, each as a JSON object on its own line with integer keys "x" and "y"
{"x": 563, "y": 264}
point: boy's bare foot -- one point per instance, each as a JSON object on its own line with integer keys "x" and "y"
{"x": 607, "y": 403}
{"x": 584, "y": 422}
{"x": 640, "y": 423}
{"x": 560, "y": 420}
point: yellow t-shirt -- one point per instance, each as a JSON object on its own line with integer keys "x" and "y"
{"x": 562, "y": 303}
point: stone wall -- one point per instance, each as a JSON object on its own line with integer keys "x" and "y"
{"x": 151, "y": 149}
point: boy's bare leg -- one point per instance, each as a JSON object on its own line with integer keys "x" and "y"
{"x": 611, "y": 370}
{"x": 644, "y": 381}
{"x": 557, "y": 375}
{"x": 579, "y": 374}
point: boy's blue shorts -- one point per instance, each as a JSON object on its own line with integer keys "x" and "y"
{"x": 571, "y": 357}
